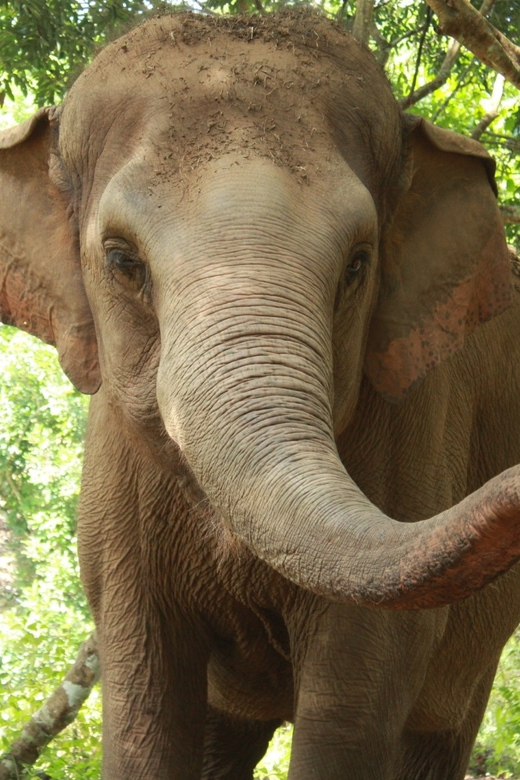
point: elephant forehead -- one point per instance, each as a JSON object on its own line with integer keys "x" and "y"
{"x": 197, "y": 96}
{"x": 193, "y": 106}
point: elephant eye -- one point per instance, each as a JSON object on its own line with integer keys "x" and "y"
{"x": 357, "y": 262}
{"x": 129, "y": 271}
{"x": 353, "y": 272}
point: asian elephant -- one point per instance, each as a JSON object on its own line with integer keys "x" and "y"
{"x": 295, "y": 312}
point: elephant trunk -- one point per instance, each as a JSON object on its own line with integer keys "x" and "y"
{"x": 253, "y": 419}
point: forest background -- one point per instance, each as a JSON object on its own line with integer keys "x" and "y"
{"x": 470, "y": 85}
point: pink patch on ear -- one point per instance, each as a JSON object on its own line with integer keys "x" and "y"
{"x": 406, "y": 359}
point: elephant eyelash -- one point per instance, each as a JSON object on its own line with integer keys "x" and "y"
{"x": 126, "y": 268}
{"x": 356, "y": 265}
{"x": 353, "y": 274}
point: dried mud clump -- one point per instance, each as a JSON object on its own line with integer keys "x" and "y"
{"x": 304, "y": 28}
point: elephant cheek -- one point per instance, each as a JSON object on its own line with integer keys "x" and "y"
{"x": 348, "y": 357}
{"x": 167, "y": 409}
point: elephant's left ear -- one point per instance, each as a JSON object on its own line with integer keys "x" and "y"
{"x": 41, "y": 286}
{"x": 445, "y": 263}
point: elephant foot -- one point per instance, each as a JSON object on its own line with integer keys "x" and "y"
{"x": 436, "y": 756}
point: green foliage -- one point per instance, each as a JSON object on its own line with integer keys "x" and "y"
{"x": 39, "y": 641}
{"x": 41, "y": 443}
{"x": 43, "y": 43}
{"x": 497, "y": 750}
{"x": 275, "y": 764}
{"x": 43, "y": 612}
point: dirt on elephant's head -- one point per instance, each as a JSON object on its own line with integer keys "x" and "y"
{"x": 283, "y": 87}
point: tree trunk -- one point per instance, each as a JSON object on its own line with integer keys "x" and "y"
{"x": 460, "y": 20}
{"x": 363, "y": 21}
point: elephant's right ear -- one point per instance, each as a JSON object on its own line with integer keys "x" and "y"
{"x": 445, "y": 265}
{"x": 41, "y": 286}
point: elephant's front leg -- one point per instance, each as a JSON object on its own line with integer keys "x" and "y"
{"x": 154, "y": 649}
{"x": 154, "y": 681}
{"x": 154, "y": 697}
{"x": 358, "y": 673}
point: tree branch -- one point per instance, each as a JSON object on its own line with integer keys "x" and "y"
{"x": 385, "y": 47}
{"x": 494, "y": 106}
{"x": 460, "y": 20}
{"x": 440, "y": 79}
{"x": 425, "y": 28}
{"x": 363, "y": 20}
{"x": 459, "y": 85}
{"x": 60, "y": 709}
{"x": 341, "y": 11}
{"x": 507, "y": 141}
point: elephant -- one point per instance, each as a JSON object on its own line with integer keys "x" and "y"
{"x": 295, "y": 311}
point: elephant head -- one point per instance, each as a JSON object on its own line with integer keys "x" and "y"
{"x": 228, "y": 224}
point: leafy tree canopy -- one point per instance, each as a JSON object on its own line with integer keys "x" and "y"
{"x": 43, "y": 43}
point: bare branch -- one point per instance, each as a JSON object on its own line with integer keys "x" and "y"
{"x": 459, "y": 85}
{"x": 341, "y": 11}
{"x": 494, "y": 106}
{"x": 486, "y": 7}
{"x": 60, "y": 709}
{"x": 498, "y": 139}
{"x": 420, "y": 49}
{"x": 385, "y": 47}
{"x": 404, "y": 36}
{"x": 460, "y": 20}
{"x": 438, "y": 81}
{"x": 363, "y": 20}
{"x": 450, "y": 59}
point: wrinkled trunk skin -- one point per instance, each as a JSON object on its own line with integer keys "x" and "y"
{"x": 274, "y": 475}
{"x": 245, "y": 384}
{"x": 257, "y": 391}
